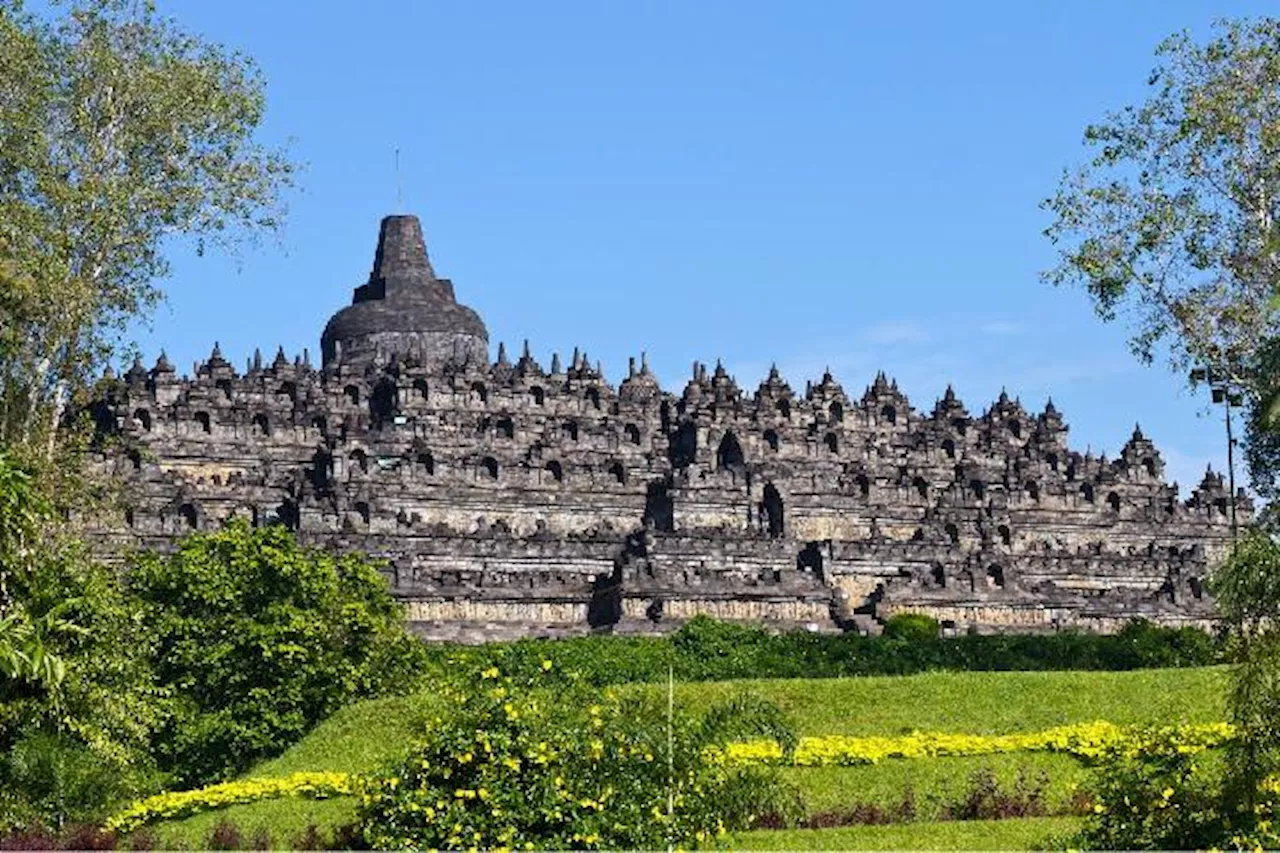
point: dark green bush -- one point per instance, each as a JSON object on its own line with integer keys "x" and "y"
{"x": 52, "y": 779}
{"x": 259, "y": 639}
{"x": 912, "y": 627}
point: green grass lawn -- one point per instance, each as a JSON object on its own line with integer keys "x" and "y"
{"x": 934, "y": 782}
{"x": 1025, "y": 834}
{"x": 359, "y": 738}
{"x": 982, "y": 702}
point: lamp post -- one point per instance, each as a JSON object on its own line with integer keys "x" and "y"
{"x": 1224, "y": 391}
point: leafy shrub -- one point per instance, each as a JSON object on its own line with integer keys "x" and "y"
{"x": 89, "y": 837}
{"x": 78, "y": 701}
{"x": 143, "y": 839}
{"x": 225, "y": 836}
{"x": 309, "y": 839}
{"x": 1259, "y": 826}
{"x": 859, "y": 814}
{"x": 31, "y": 838}
{"x": 516, "y": 766}
{"x": 985, "y": 799}
{"x": 79, "y": 837}
{"x": 55, "y": 779}
{"x": 1155, "y": 794}
{"x": 912, "y": 627}
{"x": 259, "y": 639}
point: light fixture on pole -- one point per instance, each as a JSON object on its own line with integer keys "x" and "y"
{"x": 1223, "y": 390}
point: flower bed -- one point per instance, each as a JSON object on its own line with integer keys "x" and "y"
{"x": 177, "y": 804}
{"x": 1086, "y": 741}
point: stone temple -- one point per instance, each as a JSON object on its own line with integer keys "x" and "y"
{"x": 513, "y": 499}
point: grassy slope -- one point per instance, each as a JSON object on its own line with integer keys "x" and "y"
{"x": 354, "y": 740}
{"x": 983, "y": 702}
{"x": 934, "y": 782}
{"x": 359, "y": 738}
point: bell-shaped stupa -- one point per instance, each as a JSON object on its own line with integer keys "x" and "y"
{"x": 404, "y": 309}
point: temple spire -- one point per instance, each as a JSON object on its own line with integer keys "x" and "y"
{"x": 401, "y": 252}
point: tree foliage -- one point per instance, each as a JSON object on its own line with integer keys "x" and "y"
{"x": 259, "y": 639}
{"x": 118, "y": 131}
{"x": 1247, "y": 591}
{"x": 78, "y": 704}
{"x": 1262, "y": 431}
{"x": 1174, "y": 217}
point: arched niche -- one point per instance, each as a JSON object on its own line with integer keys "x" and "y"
{"x": 729, "y": 456}
{"x": 773, "y": 511}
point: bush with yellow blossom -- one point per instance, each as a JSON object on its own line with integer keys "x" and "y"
{"x": 544, "y": 763}
{"x": 1156, "y": 791}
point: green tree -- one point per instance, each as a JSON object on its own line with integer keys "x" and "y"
{"x": 1247, "y": 591}
{"x": 78, "y": 704}
{"x": 1173, "y": 219}
{"x": 118, "y": 132}
{"x": 259, "y": 639}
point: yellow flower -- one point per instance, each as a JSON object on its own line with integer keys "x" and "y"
{"x": 491, "y": 672}
{"x": 546, "y": 665}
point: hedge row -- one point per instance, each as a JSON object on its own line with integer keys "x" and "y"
{"x": 708, "y": 650}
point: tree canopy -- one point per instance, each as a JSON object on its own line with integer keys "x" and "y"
{"x": 117, "y": 131}
{"x": 1174, "y": 217}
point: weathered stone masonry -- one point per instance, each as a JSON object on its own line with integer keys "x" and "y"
{"x": 510, "y": 499}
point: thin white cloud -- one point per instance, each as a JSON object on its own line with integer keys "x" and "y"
{"x": 1000, "y": 328}
{"x": 895, "y": 333}
{"x": 1055, "y": 374}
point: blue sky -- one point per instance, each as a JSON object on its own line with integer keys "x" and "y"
{"x": 840, "y": 184}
